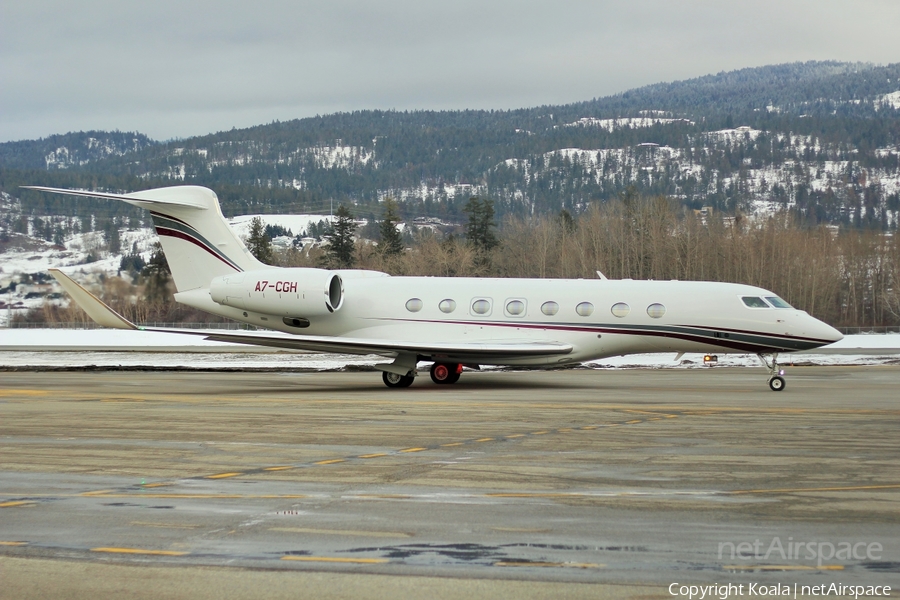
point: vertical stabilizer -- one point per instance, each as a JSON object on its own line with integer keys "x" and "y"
{"x": 197, "y": 240}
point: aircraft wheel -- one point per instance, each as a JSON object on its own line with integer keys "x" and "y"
{"x": 444, "y": 373}
{"x": 777, "y": 383}
{"x": 393, "y": 380}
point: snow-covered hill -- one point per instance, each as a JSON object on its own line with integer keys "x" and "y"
{"x": 25, "y": 259}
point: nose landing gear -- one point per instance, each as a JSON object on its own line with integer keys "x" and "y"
{"x": 776, "y": 381}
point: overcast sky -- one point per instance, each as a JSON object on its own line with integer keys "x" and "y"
{"x": 177, "y": 68}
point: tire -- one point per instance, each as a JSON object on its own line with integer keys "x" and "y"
{"x": 777, "y": 383}
{"x": 392, "y": 380}
{"x": 442, "y": 373}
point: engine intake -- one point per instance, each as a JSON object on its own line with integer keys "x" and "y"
{"x": 296, "y": 293}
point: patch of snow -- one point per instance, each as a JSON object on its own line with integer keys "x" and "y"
{"x": 891, "y": 100}
{"x": 625, "y": 122}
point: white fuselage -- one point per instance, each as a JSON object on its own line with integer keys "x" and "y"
{"x": 687, "y": 316}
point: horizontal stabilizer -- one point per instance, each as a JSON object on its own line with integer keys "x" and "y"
{"x": 91, "y": 304}
{"x": 190, "y": 196}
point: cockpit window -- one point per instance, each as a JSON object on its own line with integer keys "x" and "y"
{"x": 778, "y": 302}
{"x": 754, "y": 302}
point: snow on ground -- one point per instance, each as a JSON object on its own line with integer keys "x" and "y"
{"x": 891, "y": 100}
{"x": 111, "y": 348}
{"x": 296, "y": 223}
{"x": 621, "y": 123}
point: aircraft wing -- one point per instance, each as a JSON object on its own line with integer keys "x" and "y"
{"x": 462, "y": 352}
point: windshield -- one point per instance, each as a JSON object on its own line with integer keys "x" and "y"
{"x": 778, "y": 302}
{"x": 754, "y": 302}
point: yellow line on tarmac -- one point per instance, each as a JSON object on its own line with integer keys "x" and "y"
{"x": 516, "y": 435}
{"x": 485, "y": 440}
{"x": 337, "y": 559}
{"x": 330, "y": 462}
{"x": 565, "y": 430}
{"x": 376, "y": 455}
{"x": 223, "y": 475}
{"x": 633, "y": 422}
{"x": 285, "y": 468}
{"x": 413, "y": 449}
{"x": 97, "y": 493}
{"x": 850, "y": 488}
{"x": 23, "y": 392}
{"x": 13, "y": 543}
{"x": 452, "y": 444}
{"x": 539, "y": 432}
{"x": 139, "y": 551}
{"x": 589, "y": 427}
{"x": 13, "y": 503}
{"x": 155, "y": 485}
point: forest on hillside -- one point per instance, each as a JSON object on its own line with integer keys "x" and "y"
{"x": 848, "y": 278}
{"x": 818, "y": 138}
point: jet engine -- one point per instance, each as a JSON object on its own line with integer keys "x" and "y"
{"x": 296, "y": 293}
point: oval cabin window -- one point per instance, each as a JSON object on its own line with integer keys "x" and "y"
{"x": 550, "y": 308}
{"x": 620, "y": 309}
{"x": 515, "y": 307}
{"x": 584, "y": 309}
{"x": 414, "y": 305}
{"x": 447, "y": 306}
{"x": 481, "y": 307}
{"x": 656, "y": 311}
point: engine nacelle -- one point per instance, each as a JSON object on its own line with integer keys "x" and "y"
{"x": 297, "y": 293}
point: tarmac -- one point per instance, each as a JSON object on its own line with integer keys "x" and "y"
{"x": 569, "y": 483}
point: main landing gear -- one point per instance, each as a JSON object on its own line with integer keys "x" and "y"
{"x": 442, "y": 373}
{"x": 776, "y": 381}
{"x": 445, "y": 373}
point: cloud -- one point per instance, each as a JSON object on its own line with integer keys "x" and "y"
{"x": 174, "y": 69}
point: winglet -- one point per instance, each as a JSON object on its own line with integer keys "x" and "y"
{"x": 92, "y": 305}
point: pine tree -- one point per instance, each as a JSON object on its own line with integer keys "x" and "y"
{"x": 156, "y": 275}
{"x": 341, "y": 250}
{"x": 259, "y": 243}
{"x": 479, "y": 231}
{"x": 391, "y": 239}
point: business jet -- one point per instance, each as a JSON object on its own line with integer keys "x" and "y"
{"x": 452, "y": 322}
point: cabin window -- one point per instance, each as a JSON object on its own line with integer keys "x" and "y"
{"x": 754, "y": 302}
{"x": 515, "y": 308}
{"x": 656, "y": 311}
{"x": 620, "y": 309}
{"x": 778, "y": 302}
{"x": 584, "y": 309}
{"x": 550, "y": 308}
{"x": 414, "y": 305}
{"x": 447, "y": 305}
{"x": 481, "y": 306}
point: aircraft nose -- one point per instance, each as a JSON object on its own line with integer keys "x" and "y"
{"x": 826, "y": 332}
